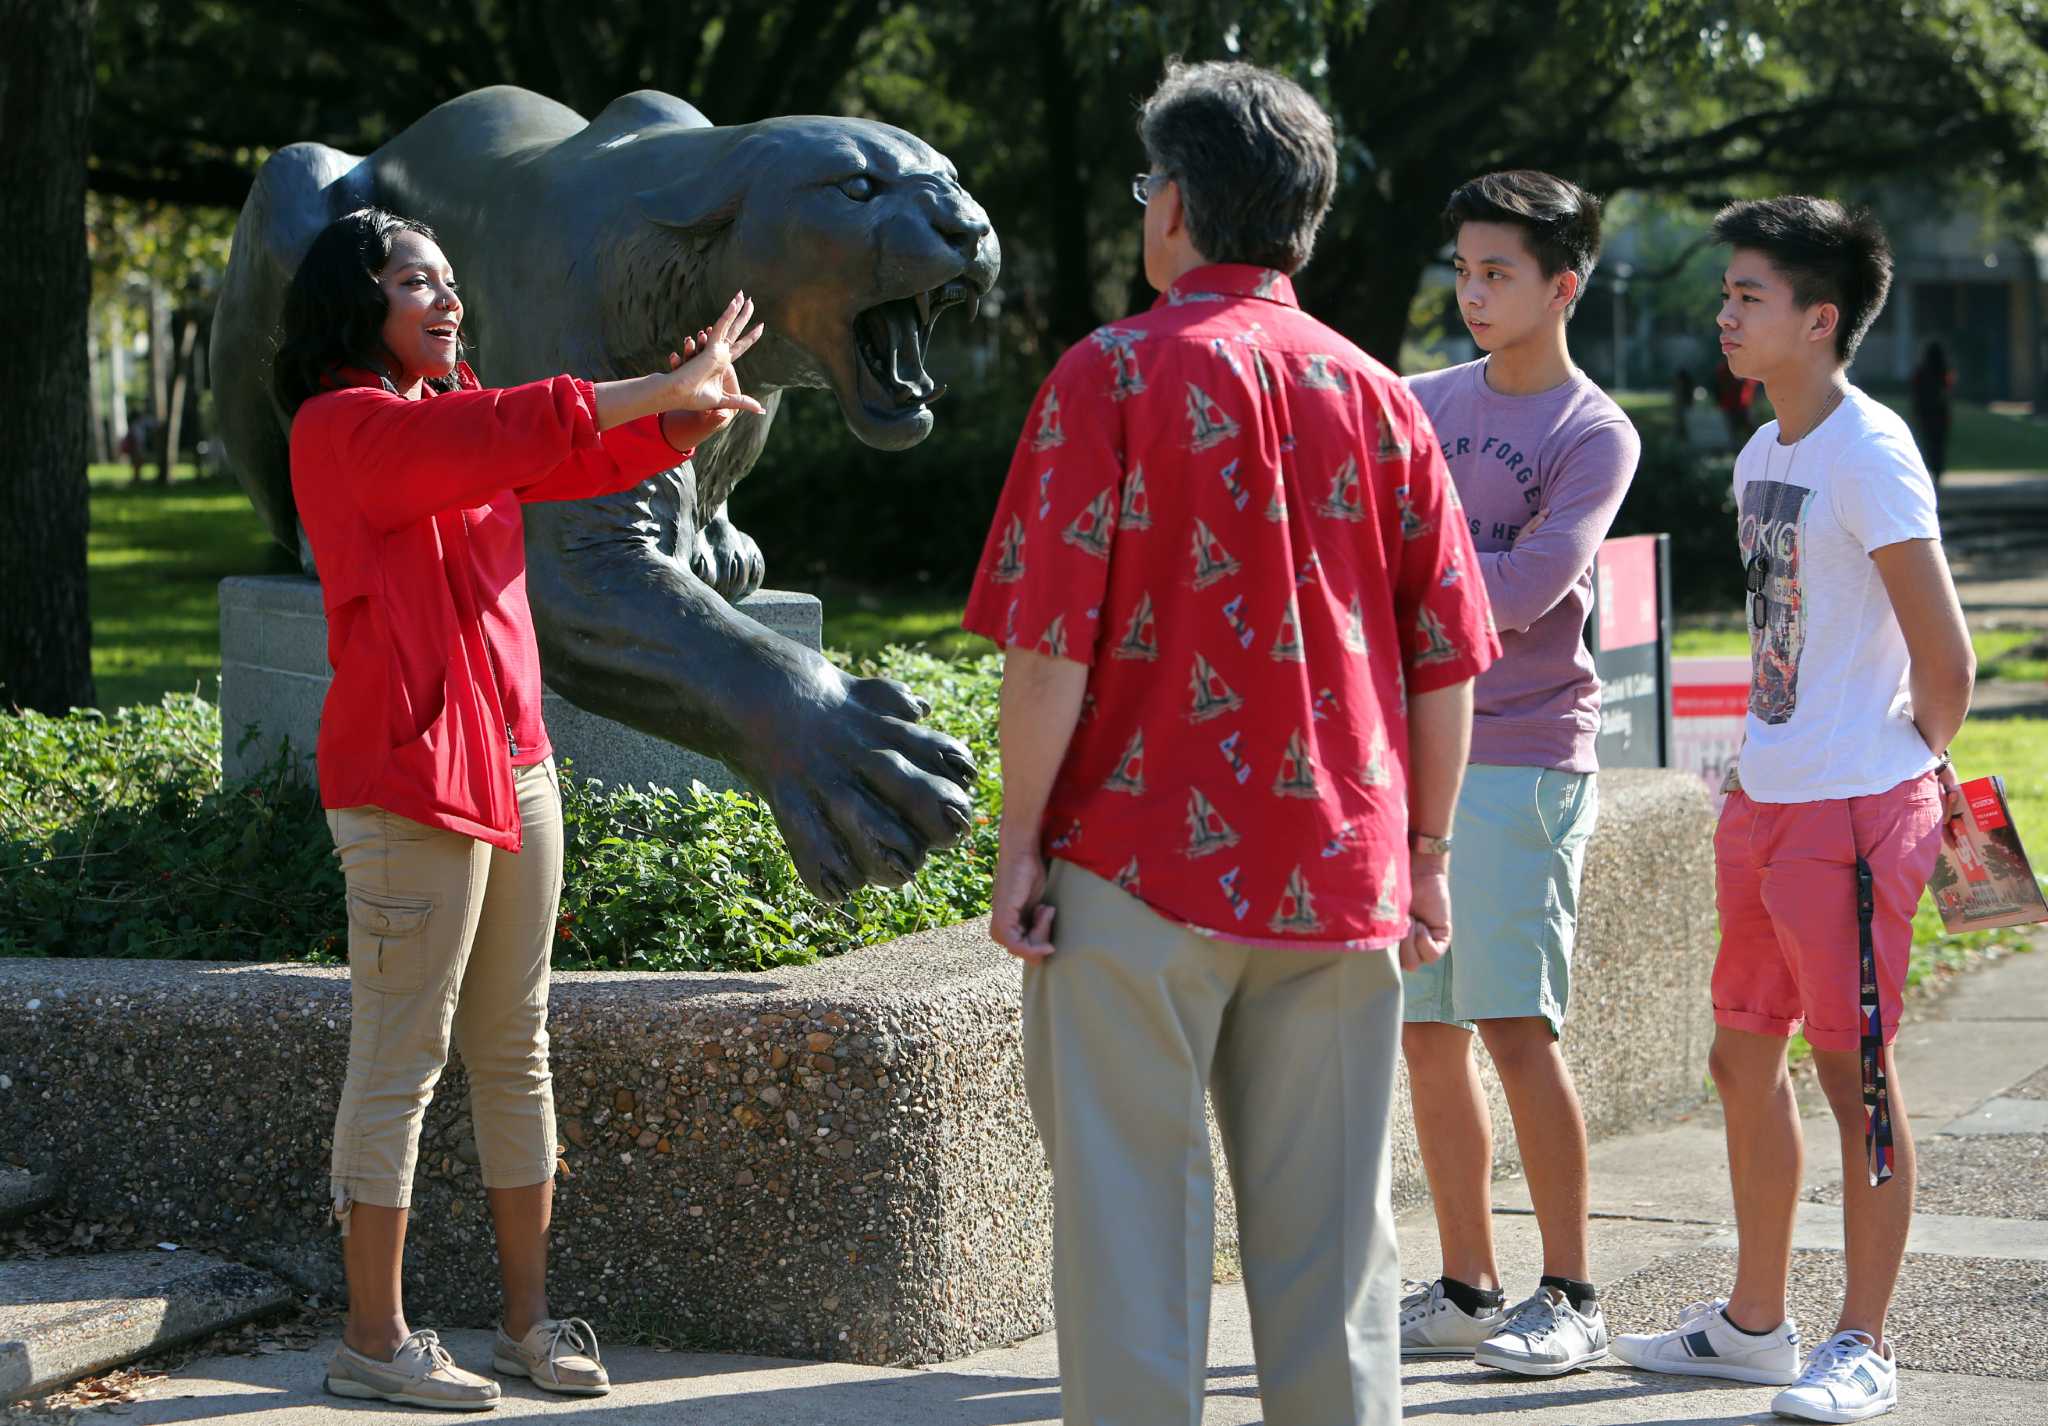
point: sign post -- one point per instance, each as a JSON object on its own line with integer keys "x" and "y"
{"x": 1629, "y": 633}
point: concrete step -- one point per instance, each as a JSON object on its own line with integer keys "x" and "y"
{"x": 62, "y": 1318}
{"x": 22, "y": 1192}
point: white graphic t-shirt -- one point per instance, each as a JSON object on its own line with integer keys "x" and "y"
{"x": 1830, "y": 713}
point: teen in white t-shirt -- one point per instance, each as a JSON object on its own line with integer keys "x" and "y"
{"x": 1860, "y": 674}
{"x": 1830, "y": 710}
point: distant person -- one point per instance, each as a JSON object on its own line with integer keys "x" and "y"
{"x": 434, "y": 765}
{"x": 132, "y": 446}
{"x": 1861, "y": 673}
{"x": 1542, "y": 458}
{"x": 1736, "y": 397}
{"x": 1683, "y": 393}
{"x": 1934, "y": 384}
{"x": 1240, "y": 623}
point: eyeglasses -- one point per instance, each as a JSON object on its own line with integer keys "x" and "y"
{"x": 1756, "y": 579}
{"x": 1144, "y": 185}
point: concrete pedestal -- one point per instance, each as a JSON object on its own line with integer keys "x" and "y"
{"x": 274, "y": 677}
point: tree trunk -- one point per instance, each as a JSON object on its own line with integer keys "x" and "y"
{"x": 1071, "y": 309}
{"x": 181, "y": 377}
{"x": 1368, "y": 301}
{"x": 45, "y": 111}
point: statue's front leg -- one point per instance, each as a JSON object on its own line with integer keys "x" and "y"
{"x": 861, "y": 791}
{"x": 727, "y": 560}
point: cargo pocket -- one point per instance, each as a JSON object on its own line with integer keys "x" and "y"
{"x": 385, "y": 948}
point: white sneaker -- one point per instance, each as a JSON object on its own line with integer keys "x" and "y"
{"x": 1704, "y": 1344}
{"x": 1546, "y": 1336}
{"x": 1846, "y": 1379}
{"x": 1434, "y": 1326}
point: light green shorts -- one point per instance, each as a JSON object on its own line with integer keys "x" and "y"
{"x": 1520, "y": 845}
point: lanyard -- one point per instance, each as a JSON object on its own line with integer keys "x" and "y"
{"x": 1877, "y": 1131}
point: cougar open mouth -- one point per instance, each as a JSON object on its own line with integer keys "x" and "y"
{"x": 892, "y": 339}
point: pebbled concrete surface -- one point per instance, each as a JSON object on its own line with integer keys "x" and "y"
{"x": 1973, "y": 1316}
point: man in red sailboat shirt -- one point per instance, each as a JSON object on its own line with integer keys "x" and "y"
{"x": 1237, "y": 683}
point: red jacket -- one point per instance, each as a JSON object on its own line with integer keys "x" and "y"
{"x": 412, "y": 510}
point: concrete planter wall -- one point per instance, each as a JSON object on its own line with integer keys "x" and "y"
{"x": 832, "y": 1162}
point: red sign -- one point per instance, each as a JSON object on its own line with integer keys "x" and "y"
{"x": 1984, "y": 804}
{"x": 1709, "y": 700}
{"x": 1627, "y": 571}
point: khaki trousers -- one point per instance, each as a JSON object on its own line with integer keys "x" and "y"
{"x": 448, "y": 940}
{"x": 1125, "y": 1025}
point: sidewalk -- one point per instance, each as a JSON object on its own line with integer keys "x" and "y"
{"x": 1973, "y": 1298}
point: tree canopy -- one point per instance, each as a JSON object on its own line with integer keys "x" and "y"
{"x": 1703, "y": 99}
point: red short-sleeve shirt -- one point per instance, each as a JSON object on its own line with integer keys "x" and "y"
{"x": 1243, "y": 525}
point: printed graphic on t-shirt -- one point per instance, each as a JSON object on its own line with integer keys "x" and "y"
{"x": 1773, "y": 516}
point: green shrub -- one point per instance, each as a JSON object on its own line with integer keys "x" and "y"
{"x": 117, "y": 838}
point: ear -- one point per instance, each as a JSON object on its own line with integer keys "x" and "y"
{"x": 702, "y": 202}
{"x": 693, "y": 204}
{"x": 1176, "y": 212}
{"x": 1565, "y": 292}
{"x": 1821, "y": 322}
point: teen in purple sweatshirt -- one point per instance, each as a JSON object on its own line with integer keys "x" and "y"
{"x": 1541, "y": 459}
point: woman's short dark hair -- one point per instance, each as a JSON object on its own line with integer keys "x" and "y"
{"x": 1254, "y": 155}
{"x": 1828, "y": 253}
{"x": 334, "y": 310}
{"x": 1561, "y": 219}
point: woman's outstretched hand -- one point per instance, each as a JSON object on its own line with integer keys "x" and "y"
{"x": 700, "y": 392}
{"x": 702, "y": 375}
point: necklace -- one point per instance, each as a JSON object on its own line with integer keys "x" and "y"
{"x": 1792, "y": 459}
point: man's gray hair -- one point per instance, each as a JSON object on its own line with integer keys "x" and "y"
{"x": 1255, "y": 157}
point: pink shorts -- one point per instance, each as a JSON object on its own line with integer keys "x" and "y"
{"x": 1785, "y": 882}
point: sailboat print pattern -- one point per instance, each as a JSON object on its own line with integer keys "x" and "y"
{"x": 1050, "y": 432}
{"x": 1130, "y": 769}
{"x": 1090, "y": 530}
{"x": 1141, "y": 635}
{"x": 1136, "y": 513}
{"x": 1284, "y": 778}
{"x": 1208, "y": 427}
{"x": 1344, "y": 501}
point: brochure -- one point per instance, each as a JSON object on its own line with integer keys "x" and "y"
{"x": 1982, "y": 878}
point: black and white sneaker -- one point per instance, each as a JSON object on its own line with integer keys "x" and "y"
{"x": 1705, "y": 1343}
{"x": 1546, "y": 1336}
{"x": 1433, "y": 1326}
{"x": 1846, "y": 1379}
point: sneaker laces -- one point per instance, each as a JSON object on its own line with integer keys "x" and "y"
{"x": 1418, "y": 1299}
{"x": 1697, "y": 1311}
{"x": 1833, "y": 1360}
{"x": 581, "y": 1338}
{"x": 429, "y": 1343}
{"x": 1536, "y": 1317}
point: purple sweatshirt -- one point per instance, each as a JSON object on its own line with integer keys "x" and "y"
{"x": 1569, "y": 452}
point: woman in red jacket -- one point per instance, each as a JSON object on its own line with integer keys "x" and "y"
{"x": 433, "y": 762}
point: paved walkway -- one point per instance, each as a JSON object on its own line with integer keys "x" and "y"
{"x": 1973, "y": 1306}
{"x": 1995, "y": 525}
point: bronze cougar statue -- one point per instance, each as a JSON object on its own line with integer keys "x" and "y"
{"x": 595, "y": 248}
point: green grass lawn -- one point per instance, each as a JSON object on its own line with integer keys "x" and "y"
{"x": 2020, "y": 655}
{"x": 156, "y": 557}
{"x": 1979, "y": 438}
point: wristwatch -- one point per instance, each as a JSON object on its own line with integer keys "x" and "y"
{"x": 1424, "y": 845}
